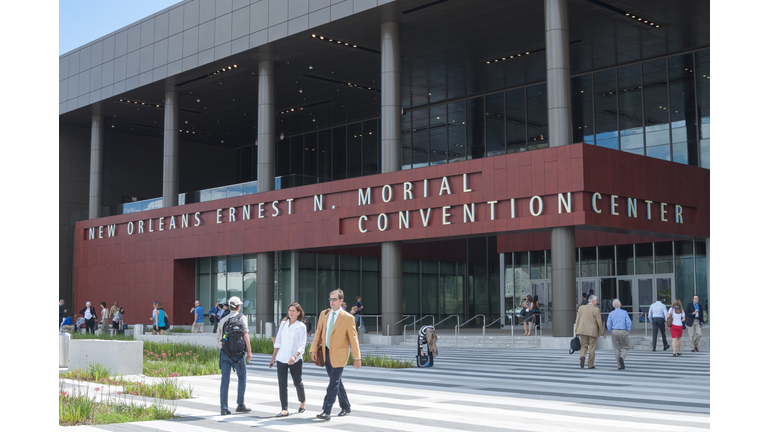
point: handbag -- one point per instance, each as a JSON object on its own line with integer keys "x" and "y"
{"x": 669, "y": 321}
{"x": 575, "y": 345}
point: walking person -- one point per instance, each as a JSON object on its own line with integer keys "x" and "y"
{"x": 359, "y": 315}
{"x": 213, "y": 316}
{"x": 335, "y": 333}
{"x": 161, "y": 323}
{"x": 89, "y": 315}
{"x": 694, "y": 321}
{"x": 290, "y": 343}
{"x": 589, "y": 326}
{"x": 658, "y": 315}
{"x": 527, "y": 306}
{"x": 154, "y": 312}
{"x": 117, "y": 321}
{"x": 536, "y": 311}
{"x": 113, "y": 310}
{"x": 676, "y": 329}
{"x": 197, "y": 322}
{"x": 619, "y": 325}
{"x": 234, "y": 353}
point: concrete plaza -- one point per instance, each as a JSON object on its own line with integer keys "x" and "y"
{"x": 468, "y": 389}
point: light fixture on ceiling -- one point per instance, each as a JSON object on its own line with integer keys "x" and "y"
{"x": 341, "y": 43}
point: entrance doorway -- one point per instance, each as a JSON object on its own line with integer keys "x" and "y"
{"x": 543, "y": 289}
{"x": 651, "y": 286}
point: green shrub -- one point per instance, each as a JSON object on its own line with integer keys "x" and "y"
{"x": 382, "y": 361}
{"x": 179, "y": 330}
{"x": 78, "y": 408}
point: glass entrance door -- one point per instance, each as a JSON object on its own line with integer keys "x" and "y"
{"x": 543, "y": 289}
{"x": 625, "y": 297}
{"x": 650, "y": 287}
{"x": 587, "y": 285}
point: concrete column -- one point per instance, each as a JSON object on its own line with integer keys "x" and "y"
{"x": 265, "y": 174}
{"x": 294, "y": 277}
{"x": 709, "y": 278}
{"x": 391, "y": 120}
{"x": 97, "y": 168}
{"x": 560, "y": 133}
{"x": 171, "y": 150}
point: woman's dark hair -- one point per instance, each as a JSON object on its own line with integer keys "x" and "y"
{"x": 529, "y": 298}
{"x": 103, "y": 304}
{"x": 159, "y": 305}
{"x": 536, "y": 298}
{"x": 299, "y": 310}
{"x": 122, "y": 310}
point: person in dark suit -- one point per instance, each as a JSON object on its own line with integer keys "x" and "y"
{"x": 336, "y": 331}
{"x": 694, "y": 321}
{"x": 62, "y": 312}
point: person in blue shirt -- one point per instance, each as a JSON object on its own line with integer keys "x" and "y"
{"x": 619, "y": 324}
{"x": 213, "y": 315}
{"x": 67, "y": 324}
{"x": 197, "y": 322}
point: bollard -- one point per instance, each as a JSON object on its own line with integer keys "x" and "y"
{"x": 63, "y": 350}
{"x": 269, "y": 329}
{"x": 138, "y": 329}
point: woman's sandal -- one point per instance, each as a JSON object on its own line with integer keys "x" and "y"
{"x": 282, "y": 414}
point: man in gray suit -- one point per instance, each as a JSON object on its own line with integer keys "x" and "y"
{"x": 589, "y": 326}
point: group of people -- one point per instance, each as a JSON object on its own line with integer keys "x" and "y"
{"x": 589, "y": 326}
{"x": 336, "y": 333}
{"x": 88, "y": 319}
{"x": 531, "y": 313}
{"x": 160, "y": 319}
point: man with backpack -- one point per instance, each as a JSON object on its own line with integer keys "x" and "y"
{"x": 235, "y": 351}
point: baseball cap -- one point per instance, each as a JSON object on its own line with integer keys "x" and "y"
{"x": 235, "y": 301}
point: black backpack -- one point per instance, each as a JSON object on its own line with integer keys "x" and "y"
{"x": 575, "y": 345}
{"x": 232, "y": 338}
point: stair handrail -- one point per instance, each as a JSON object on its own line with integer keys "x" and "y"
{"x": 492, "y": 323}
{"x": 405, "y": 327}
{"x": 456, "y": 329}
{"x": 406, "y": 317}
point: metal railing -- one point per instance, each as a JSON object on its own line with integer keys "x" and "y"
{"x": 456, "y": 329}
{"x": 530, "y": 319}
{"x": 405, "y": 318}
{"x": 405, "y": 327}
{"x": 446, "y": 319}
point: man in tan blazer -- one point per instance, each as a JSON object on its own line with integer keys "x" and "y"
{"x": 589, "y": 326}
{"x": 336, "y": 332}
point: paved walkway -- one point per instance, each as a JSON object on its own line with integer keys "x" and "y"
{"x": 468, "y": 390}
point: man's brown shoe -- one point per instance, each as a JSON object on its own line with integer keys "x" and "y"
{"x": 693, "y": 350}
{"x": 697, "y": 349}
{"x": 581, "y": 361}
{"x": 591, "y": 367}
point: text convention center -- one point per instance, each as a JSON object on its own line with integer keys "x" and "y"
{"x": 442, "y": 159}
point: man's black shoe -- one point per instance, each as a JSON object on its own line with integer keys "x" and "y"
{"x": 324, "y": 416}
{"x": 345, "y": 412}
{"x": 666, "y": 347}
{"x": 242, "y": 409}
{"x": 225, "y": 412}
{"x": 621, "y": 363}
{"x": 654, "y": 350}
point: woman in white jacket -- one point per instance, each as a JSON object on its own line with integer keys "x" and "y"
{"x": 290, "y": 343}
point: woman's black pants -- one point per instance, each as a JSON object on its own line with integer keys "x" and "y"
{"x": 282, "y": 380}
{"x": 90, "y": 325}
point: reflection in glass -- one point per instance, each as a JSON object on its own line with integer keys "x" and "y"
{"x": 297, "y": 159}
{"x": 537, "y": 131}
{"x": 310, "y": 154}
{"x": 606, "y": 263}
{"x": 354, "y": 150}
{"x": 656, "y": 100}
{"x": 537, "y": 265}
{"x": 702, "y": 88}
{"x": 664, "y": 289}
{"x": 644, "y": 257}
{"x": 630, "y": 109}
{"x": 606, "y": 116}
{"x": 625, "y": 260}
{"x": 370, "y": 147}
{"x": 581, "y": 105}
{"x": 475, "y": 128}
{"x": 307, "y": 280}
{"x": 515, "y": 120}
{"x": 456, "y": 132}
{"x": 283, "y": 157}
{"x": 420, "y": 137}
{"x": 438, "y": 135}
{"x": 625, "y": 295}
{"x": 701, "y": 276}
{"x": 684, "y": 271}
{"x": 588, "y": 262}
{"x": 494, "y": 124}
{"x": 645, "y": 294}
{"x": 683, "y": 109}
{"x": 522, "y": 278}
{"x": 411, "y": 304}
{"x": 324, "y": 157}
{"x": 339, "y": 153}
{"x": 663, "y": 257}
{"x": 249, "y": 293}
{"x": 405, "y": 142}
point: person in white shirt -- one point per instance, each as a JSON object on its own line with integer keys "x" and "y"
{"x": 290, "y": 343}
{"x": 657, "y": 313}
{"x": 678, "y": 315}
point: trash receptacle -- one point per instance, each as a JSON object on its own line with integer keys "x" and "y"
{"x": 269, "y": 330}
{"x": 63, "y": 350}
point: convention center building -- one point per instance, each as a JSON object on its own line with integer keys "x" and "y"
{"x": 442, "y": 159}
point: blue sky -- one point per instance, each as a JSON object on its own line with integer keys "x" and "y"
{"x": 81, "y": 21}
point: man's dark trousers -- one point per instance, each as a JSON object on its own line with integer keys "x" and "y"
{"x": 335, "y": 386}
{"x": 659, "y": 324}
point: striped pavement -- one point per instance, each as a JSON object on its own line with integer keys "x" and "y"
{"x": 468, "y": 389}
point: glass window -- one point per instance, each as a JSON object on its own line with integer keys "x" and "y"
{"x": 235, "y": 264}
{"x": 537, "y": 265}
{"x": 405, "y": 142}
{"x": 625, "y": 260}
{"x": 581, "y": 108}
{"x": 456, "y": 132}
{"x": 221, "y": 264}
{"x": 297, "y": 159}
{"x": 327, "y": 277}
{"x": 310, "y": 155}
{"x": 588, "y": 262}
{"x": 630, "y": 109}
{"x": 663, "y": 257}
{"x": 702, "y": 89}
{"x": 644, "y": 257}
{"x": 249, "y": 293}
{"x": 307, "y": 281}
{"x": 370, "y": 147}
{"x": 537, "y": 130}
{"x": 515, "y": 120}
{"x": 684, "y": 288}
{"x": 701, "y": 277}
{"x": 522, "y": 277}
{"x": 203, "y": 265}
{"x": 411, "y": 304}
{"x": 606, "y": 104}
{"x": 325, "y": 155}
{"x": 339, "y": 153}
{"x": 494, "y": 124}
{"x": 283, "y": 156}
{"x": 475, "y": 128}
{"x": 682, "y": 109}
{"x": 354, "y": 150}
{"x": 429, "y": 288}
{"x": 606, "y": 264}
{"x": 246, "y": 164}
{"x": 438, "y": 135}
{"x": 204, "y": 291}
{"x": 220, "y": 289}
{"x": 656, "y": 100}
{"x": 420, "y": 137}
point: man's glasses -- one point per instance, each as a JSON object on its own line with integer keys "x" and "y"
{"x": 333, "y": 299}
